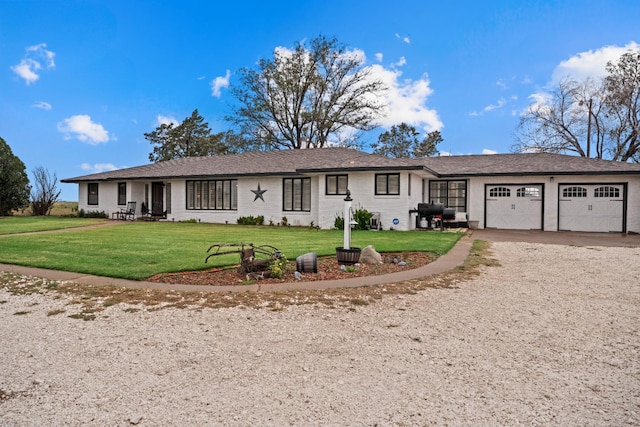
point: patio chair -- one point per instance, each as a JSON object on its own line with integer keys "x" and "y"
{"x": 146, "y": 213}
{"x": 129, "y": 213}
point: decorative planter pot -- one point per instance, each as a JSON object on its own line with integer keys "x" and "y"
{"x": 348, "y": 256}
{"x": 307, "y": 263}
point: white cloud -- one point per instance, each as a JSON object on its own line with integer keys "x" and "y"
{"x": 501, "y": 103}
{"x": 405, "y": 39}
{"x": 218, "y": 83}
{"x": 492, "y": 107}
{"x": 166, "y": 120}
{"x": 98, "y": 167}
{"x": 488, "y": 151}
{"x": 42, "y": 105}
{"x": 581, "y": 66}
{"x": 405, "y": 100}
{"x": 501, "y": 83}
{"x": 402, "y": 61}
{"x": 41, "y": 51}
{"x": 379, "y": 57}
{"x": 32, "y": 62}
{"x": 591, "y": 63}
{"x": 84, "y": 129}
{"x": 25, "y": 68}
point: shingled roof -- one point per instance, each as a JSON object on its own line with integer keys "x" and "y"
{"x": 285, "y": 162}
{"x": 292, "y": 162}
{"x": 523, "y": 164}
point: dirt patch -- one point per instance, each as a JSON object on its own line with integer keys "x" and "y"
{"x": 328, "y": 269}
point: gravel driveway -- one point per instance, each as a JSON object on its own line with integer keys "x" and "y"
{"x": 551, "y": 337}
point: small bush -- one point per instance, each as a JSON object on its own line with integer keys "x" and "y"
{"x": 92, "y": 214}
{"x": 278, "y": 266}
{"x": 250, "y": 220}
{"x": 363, "y": 218}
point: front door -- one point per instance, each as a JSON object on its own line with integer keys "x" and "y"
{"x": 157, "y": 198}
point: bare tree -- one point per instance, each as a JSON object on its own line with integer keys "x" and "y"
{"x": 305, "y": 97}
{"x": 622, "y": 86}
{"x": 44, "y": 193}
{"x": 560, "y": 123}
{"x": 590, "y": 118}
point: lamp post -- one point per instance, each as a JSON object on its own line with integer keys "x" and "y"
{"x": 347, "y": 221}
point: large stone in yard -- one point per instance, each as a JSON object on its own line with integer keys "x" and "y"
{"x": 370, "y": 256}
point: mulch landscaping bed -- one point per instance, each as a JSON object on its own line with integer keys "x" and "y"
{"x": 328, "y": 269}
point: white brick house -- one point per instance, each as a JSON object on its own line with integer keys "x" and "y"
{"x": 513, "y": 191}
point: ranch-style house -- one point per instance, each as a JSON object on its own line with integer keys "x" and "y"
{"x": 538, "y": 191}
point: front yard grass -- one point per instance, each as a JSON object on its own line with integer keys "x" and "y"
{"x": 138, "y": 250}
{"x": 30, "y": 224}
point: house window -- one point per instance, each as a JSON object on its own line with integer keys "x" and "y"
{"x": 296, "y": 194}
{"x": 607, "y": 192}
{"x": 499, "y": 192}
{"x": 337, "y": 184}
{"x": 212, "y": 195}
{"x": 387, "y": 184}
{"x": 451, "y": 194}
{"x": 122, "y": 193}
{"x": 92, "y": 193}
{"x": 528, "y": 192}
{"x": 574, "y": 192}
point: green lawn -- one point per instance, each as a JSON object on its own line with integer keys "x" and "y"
{"x": 28, "y": 224}
{"x": 138, "y": 250}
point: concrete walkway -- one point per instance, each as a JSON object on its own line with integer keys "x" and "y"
{"x": 455, "y": 257}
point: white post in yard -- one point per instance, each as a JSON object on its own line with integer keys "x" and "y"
{"x": 347, "y": 221}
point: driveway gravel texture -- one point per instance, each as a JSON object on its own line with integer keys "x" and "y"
{"x": 549, "y": 337}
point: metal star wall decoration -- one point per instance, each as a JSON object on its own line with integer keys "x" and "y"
{"x": 258, "y": 193}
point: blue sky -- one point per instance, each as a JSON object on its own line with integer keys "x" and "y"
{"x": 82, "y": 81}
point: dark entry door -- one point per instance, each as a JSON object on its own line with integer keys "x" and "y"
{"x": 157, "y": 198}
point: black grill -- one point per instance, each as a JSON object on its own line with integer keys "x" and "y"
{"x": 427, "y": 211}
{"x": 430, "y": 209}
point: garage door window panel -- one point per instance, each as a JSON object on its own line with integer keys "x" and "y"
{"x": 574, "y": 192}
{"x": 500, "y": 192}
{"x": 611, "y": 192}
{"x": 533, "y": 192}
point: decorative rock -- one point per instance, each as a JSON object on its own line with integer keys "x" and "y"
{"x": 370, "y": 256}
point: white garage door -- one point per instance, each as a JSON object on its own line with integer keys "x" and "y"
{"x": 515, "y": 207}
{"x": 596, "y": 208}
